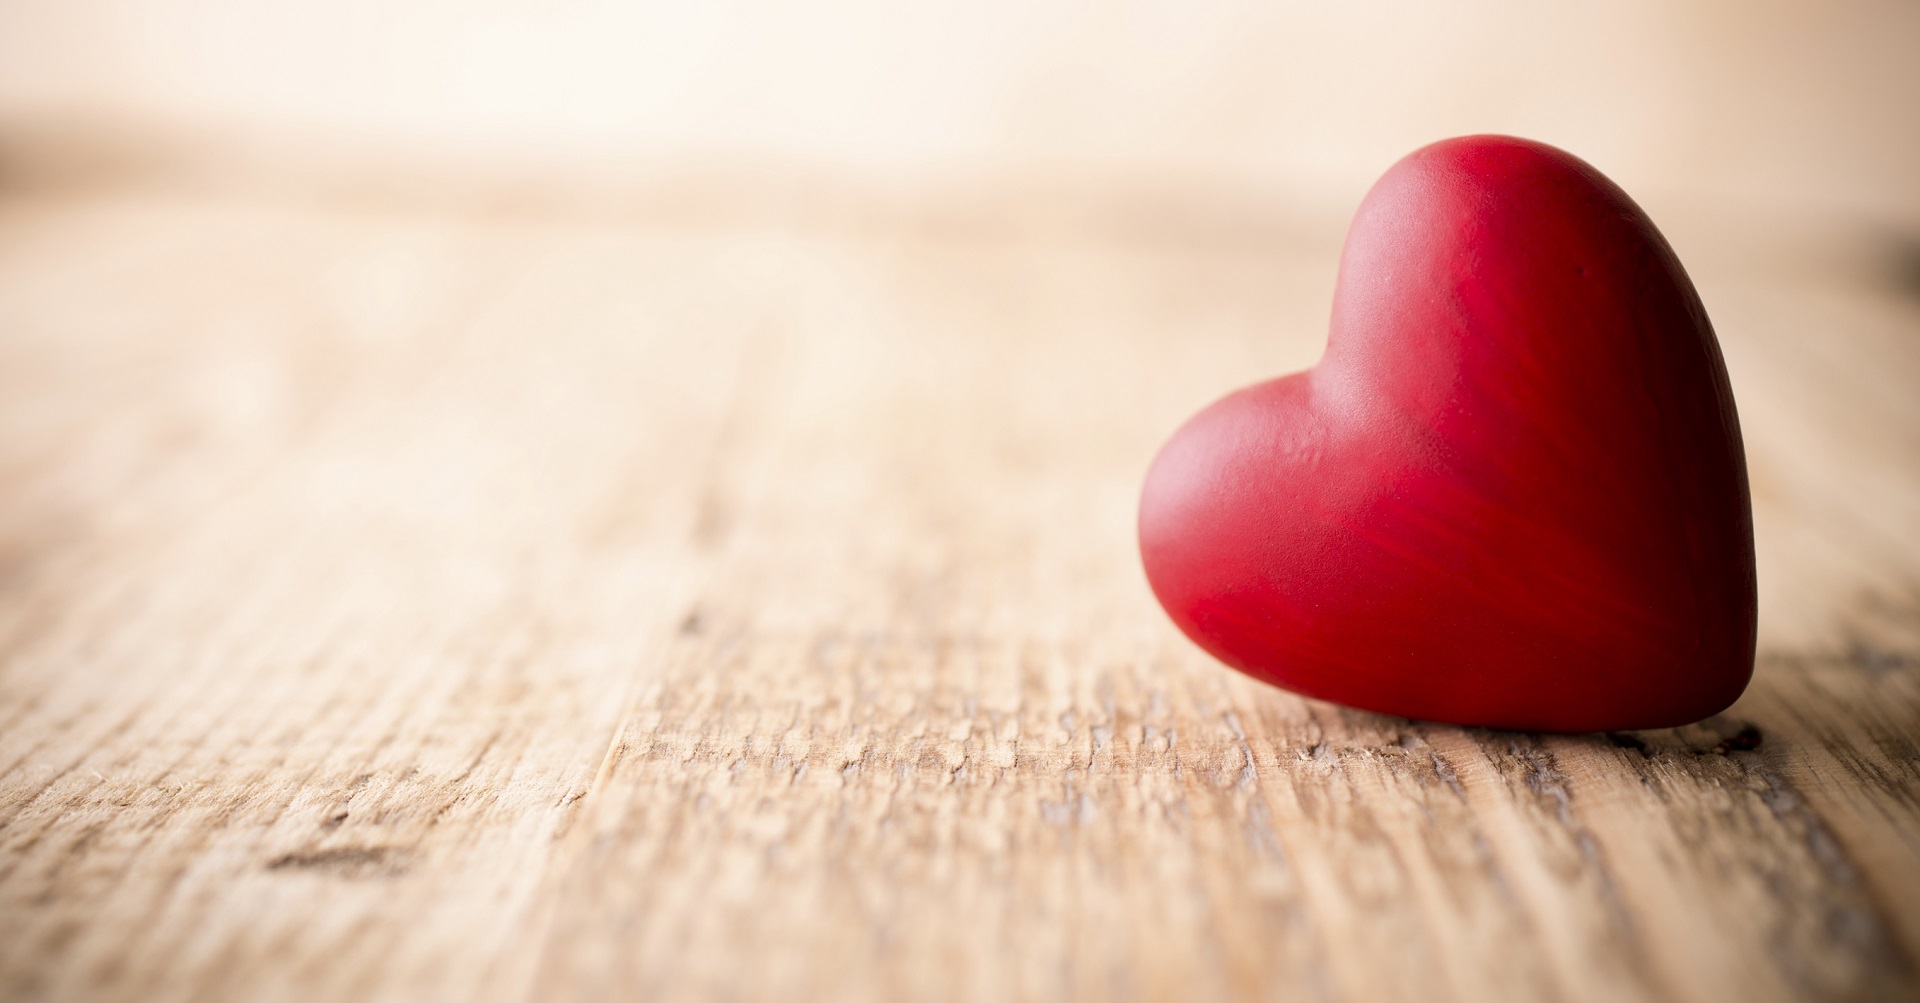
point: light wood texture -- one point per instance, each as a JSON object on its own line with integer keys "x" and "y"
{"x": 423, "y": 594}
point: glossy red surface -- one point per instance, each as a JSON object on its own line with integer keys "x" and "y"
{"x": 1512, "y": 493}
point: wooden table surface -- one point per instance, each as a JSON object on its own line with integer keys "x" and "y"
{"x": 725, "y": 589}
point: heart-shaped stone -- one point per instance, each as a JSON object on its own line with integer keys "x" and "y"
{"x": 1511, "y": 494}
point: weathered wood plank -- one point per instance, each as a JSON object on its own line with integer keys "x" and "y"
{"x": 330, "y": 647}
{"x": 340, "y": 542}
{"x": 930, "y": 738}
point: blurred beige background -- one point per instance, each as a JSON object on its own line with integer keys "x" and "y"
{"x": 1803, "y": 105}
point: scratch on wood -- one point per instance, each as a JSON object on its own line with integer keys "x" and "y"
{"x": 344, "y": 861}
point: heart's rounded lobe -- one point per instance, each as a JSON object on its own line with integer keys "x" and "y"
{"x": 1511, "y": 494}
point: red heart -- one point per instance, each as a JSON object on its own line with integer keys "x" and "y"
{"x": 1512, "y": 492}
